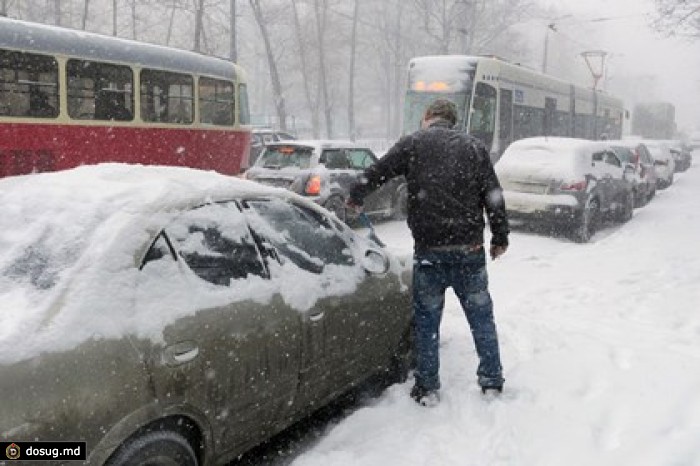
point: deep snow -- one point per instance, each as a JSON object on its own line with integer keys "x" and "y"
{"x": 601, "y": 349}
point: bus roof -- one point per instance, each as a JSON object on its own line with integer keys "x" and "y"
{"x": 27, "y": 36}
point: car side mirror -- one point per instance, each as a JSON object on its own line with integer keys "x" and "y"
{"x": 375, "y": 262}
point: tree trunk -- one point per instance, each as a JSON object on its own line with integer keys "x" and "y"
{"x": 57, "y": 11}
{"x": 351, "y": 78}
{"x": 3, "y": 8}
{"x": 198, "y": 21}
{"x": 306, "y": 74}
{"x": 133, "y": 19}
{"x": 171, "y": 22}
{"x": 320, "y": 9}
{"x": 233, "y": 52}
{"x": 398, "y": 76}
{"x": 272, "y": 65}
{"x": 86, "y": 9}
{"x": 114, "y": 18}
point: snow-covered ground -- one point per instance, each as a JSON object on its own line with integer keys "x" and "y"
{"x": 601, "y": 348}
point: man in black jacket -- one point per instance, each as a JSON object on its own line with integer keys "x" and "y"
{"x": 451, "y": 182}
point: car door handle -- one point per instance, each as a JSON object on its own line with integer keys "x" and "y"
{"x": 316, "y": 317}
{"x": 180, "y": 353}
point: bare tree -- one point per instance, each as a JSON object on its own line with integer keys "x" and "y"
{"x": 86, "y": 9}
{"x": 272, "y": 64}
{"x": 321, "y": 15}
{"x": 311, "y": 103}
{"x": 678, "y": 17}
{"x": 351, "y": 76}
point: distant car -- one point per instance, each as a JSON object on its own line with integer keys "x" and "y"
{"x": 663, "y": 161}
{"x": 570, "y": 183}
{"x": 682, "y": 158}
{"x": 260, "y": 137}
{"x": 643, "y": 175}
{"x": 176, "y": 317}
{"x": 324, "y": 171}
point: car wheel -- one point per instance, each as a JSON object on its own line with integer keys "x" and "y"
{"x": 589, "y": 218}
{"x": 159, "y": 448}
{"x": 652, "y": 193}
{"x": 627, "y": 209}
{"x": 399, "y": 210}
{"x": 336, "y": 204}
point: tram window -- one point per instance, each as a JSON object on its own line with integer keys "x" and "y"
{"x": 100, "y": 91}
{"x": 216, "y": 101}
{"x": 167, "y": 97}
{"x": 244, "y": 117}
{"x": 28, "y": 85}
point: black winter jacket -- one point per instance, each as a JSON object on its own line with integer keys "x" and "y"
{"x": 451, "y": 182}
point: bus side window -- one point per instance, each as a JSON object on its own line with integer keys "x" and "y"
{"x": 167, "y": 97}
{"x": 28, "y": 85}
{"x": 216, "y": 101}
{"x": 100, "y": 91}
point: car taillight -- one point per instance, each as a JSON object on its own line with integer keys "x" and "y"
{"x": 313, "y": 186}
{"x": 576, "y": 186}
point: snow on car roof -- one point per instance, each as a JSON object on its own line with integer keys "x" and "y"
{"x": 318, "y": 143}
{"x": 69, "y": 239}
{"x": 547, "y": 155}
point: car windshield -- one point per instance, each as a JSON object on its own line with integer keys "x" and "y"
{"x": 286, "y": 156}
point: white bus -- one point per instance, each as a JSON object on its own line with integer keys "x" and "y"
{"x": 500, "y": 102}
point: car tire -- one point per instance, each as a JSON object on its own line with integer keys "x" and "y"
{"x": 399, "y": 208}
{"x": 588, "y": 221}
{"x": 162, "y": 448}
{"x": 336, "y": 205}
{"x": 627, "y": 209}
{"x": 402, "y": 361}
{"x": 651, "y": 195}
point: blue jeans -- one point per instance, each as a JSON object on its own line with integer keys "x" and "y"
{"x": 465, "y": 272}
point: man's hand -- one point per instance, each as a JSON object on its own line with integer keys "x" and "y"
{"x": 354, "y": 207}
{"x": 497, "y": 251}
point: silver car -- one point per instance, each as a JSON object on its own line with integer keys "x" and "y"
{"x": 172, "y": 316}
{"x": 573, "y": 184}
{"x": 324, "y": 171}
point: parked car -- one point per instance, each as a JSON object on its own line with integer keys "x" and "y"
{"x": 635, "y": 155}
{"x": 694, "y": 141}
{"x": 260, "y": 137}
{"x": 663, "y": 161}
{"x": 682, "y": 159}
{"x": 570, "y": 183}
{"x": 171, "y": 316}
{"x": 324, "y": 171}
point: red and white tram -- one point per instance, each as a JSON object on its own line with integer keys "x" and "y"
{"x": 70, "y": 98}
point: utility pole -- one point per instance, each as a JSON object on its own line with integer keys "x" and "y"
{"x": 553, "y": 27}
{"x": 57, "y": 11}
{"x": 114, "y": 18}
{"x": 234, "y": 50}
{"x": 3, "y": 8}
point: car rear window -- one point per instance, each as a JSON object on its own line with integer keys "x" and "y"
{"x": 286, "y": 156}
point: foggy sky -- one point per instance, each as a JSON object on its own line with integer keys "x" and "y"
{"x": 641, "y": 64}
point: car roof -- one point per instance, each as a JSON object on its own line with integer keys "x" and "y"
{"x": 558, "y": 144}
{"x": 319, "y": 144}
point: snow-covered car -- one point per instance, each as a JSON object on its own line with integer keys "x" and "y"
{"x": 663, "y": 161}
{"x": 682, "y": 158}
{"x": 175, "y": 316}
{"x": 324, "y": 171}
{"x": 570, "y": 183}
{"x": 643, "y": 172}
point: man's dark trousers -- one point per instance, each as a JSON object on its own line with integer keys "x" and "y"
{"x": 465, "y": 271}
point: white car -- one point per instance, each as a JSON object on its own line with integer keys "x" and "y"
{"x": 566, "y": 182}
{"x": 663, "y": 161}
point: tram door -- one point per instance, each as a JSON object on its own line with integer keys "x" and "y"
{"x": 505, "y": 120}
